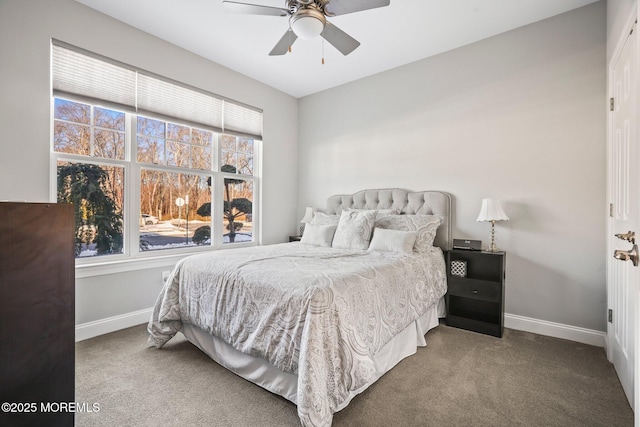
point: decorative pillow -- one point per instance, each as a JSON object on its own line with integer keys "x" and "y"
{"x": 324, "y": 219}
{"x": 318, "y": 235}
{"x": 354, "y": 230}
{"x": 392, "y": 240}
{"x": 425, "y": 225}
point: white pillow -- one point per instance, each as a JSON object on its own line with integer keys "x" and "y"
{"x": 318, "y": 234}
{"x": 392, "y": 240}
{"x": 324, "y": 219}
{"x": 354, "y": 230}
{"x": 425, "y": 225}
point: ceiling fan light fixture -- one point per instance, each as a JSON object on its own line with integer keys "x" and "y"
{"x": 307, "y": 23}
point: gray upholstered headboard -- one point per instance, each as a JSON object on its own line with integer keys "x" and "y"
{"x": 421, "y": 202}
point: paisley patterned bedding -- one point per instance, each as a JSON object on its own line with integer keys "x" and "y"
{"x": 320, "y": 313}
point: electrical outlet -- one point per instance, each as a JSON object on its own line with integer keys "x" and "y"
{"x": 165, "y": 275}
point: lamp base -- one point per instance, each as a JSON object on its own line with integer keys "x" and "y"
{"x": 492, "y": 247}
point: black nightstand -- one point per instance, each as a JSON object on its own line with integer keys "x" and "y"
{"x": 475, "y": 301}
{"x": 294, "y": 238}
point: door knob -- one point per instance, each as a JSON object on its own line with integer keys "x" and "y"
{"x": 631, "y": 254}
{"x": 629, "y": 236}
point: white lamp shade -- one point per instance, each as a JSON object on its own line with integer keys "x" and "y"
{"x": 308, "y": 214}
{"x": 307, "y": 25}
{"x": 491, "y": 210}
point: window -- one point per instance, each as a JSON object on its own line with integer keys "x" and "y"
{"x": 91, "y": 135}
{"x": 173, "y": 200}
{"x": 175, "y": 206}
{"x": 237, "y": 158}
{"x": 158, "y": 178}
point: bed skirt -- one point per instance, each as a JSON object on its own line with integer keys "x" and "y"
{"x": 267, "y": 376}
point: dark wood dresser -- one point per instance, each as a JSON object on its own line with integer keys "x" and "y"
{"x": 37, "y": 314}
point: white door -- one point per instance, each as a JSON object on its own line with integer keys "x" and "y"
{"x": 624, "y": 197}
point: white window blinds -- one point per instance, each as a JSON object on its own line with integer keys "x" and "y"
{"x": 168, "y": 99}
{"x": 78, "y": 74}
{"x": 241, "y": 119}
{"x": 85, "y": 75}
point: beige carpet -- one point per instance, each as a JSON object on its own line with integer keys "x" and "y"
{"x": 460, "y": 379}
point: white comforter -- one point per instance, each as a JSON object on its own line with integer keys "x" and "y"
{"x": 320, "y": 313}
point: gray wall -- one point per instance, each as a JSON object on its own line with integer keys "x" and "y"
{"x": 520, "y": 117}
{"x": 26, "y": 29}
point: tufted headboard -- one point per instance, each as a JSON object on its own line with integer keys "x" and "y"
{"x": 421, "y": 202}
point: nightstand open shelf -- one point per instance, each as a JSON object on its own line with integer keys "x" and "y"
{"x": 475, "y": 301}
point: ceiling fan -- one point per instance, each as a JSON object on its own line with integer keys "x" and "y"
{"x": 307, "y": 20}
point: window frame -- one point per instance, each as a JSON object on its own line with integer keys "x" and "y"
{"x": 132, "y": 258}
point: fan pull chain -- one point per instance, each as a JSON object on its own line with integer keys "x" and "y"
{"x": 322, "y": 51}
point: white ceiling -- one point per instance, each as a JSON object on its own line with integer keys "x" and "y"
{"x": 403, "y": 32}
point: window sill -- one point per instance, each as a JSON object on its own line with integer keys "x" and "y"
{"x": 100, "y": 268}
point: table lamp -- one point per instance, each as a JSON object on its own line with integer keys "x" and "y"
{"x": 492, "y": 211}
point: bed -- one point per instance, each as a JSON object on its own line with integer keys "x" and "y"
{"x": 320, "y": 320}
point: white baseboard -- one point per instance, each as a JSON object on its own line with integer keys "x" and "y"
{"x": 111, "y": 324}
{"x": 557, "y": 330}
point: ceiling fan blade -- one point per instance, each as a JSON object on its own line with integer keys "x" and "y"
{"x": 342, "y": 7}
{"x": 253, "y": 9}
{"x": 283, "y": 45}
{"x": 339, "y": 39}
